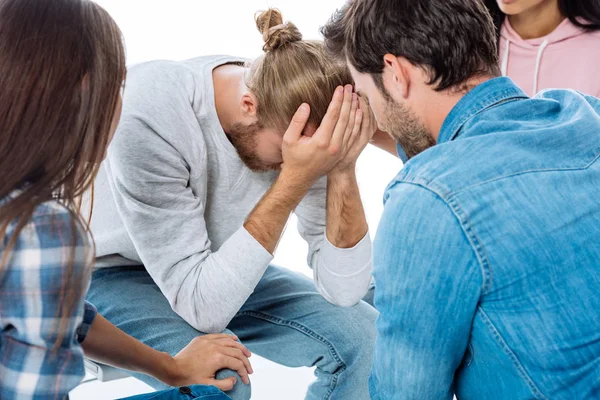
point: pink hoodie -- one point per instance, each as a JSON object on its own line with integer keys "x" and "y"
{"x": 567, "y": 58}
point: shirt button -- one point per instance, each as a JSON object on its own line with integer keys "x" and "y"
{"x": 185, "y": 390}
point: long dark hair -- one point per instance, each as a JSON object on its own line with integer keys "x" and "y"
{"x": 582, "y": 13}
{"x": 62, "y": 63}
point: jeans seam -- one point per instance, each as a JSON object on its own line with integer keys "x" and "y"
{"x": 309, "y": 332}
{"x": 512, "y": 356}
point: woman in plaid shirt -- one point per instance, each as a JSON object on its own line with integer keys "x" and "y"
{"x": 62, "y": 65}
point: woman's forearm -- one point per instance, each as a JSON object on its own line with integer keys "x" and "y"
{"x": 107, "y": 344}
{"x": 197, "y": 363}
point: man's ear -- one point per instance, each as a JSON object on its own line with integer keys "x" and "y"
{"x": 396, "y": 75}
{"x": 249, "y": 105}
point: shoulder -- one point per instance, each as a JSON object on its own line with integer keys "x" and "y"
{"x": 159, "y": 109}
{"x": 593, "y": 35}
{"x": 52, "y": 239}
{"x": 585, "y": 44}
{"x": 158, "y": 88}
{"x": 157, "y": 72}
{"x": 419, "y": 218}
{"x": 52, "y": 229}
{"x": 417, "y": 213}
{"x": 414, "y": 200}
{"x": 59, "y": 226}
{"x": 438, "y": 170}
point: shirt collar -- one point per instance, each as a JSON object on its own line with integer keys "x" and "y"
{"x": 480, "y": 98}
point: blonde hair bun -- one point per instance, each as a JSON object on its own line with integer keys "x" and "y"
{"x": 275, "y": 33}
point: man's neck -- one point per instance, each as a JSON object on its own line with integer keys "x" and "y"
{"x": 537, "y": 22}
{"x": 442, "y": 103}
{"x": 228, "y": 82}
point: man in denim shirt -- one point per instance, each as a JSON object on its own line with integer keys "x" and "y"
{"x": 488, "y": 252}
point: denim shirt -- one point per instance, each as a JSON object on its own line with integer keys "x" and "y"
{"x": 487, "y": 257}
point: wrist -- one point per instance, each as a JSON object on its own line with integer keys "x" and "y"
{"x": 167, "y": 369}
{"x": 343, "y": 172}
{"x": 296, "y": 180}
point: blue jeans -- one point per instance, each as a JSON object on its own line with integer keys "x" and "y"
{"x": 194, "y": 392}
{"x": 285, "y": 320}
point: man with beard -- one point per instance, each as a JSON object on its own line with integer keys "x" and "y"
{"x": 196, "y": 190}
{"x": 486, "y": 257}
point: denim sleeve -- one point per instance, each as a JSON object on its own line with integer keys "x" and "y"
{"x": 428, "y": 287}
{"x": 89, "y": 315}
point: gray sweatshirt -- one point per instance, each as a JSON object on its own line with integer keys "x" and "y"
{"x": 173, "y": 195}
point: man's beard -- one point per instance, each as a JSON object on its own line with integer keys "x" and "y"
{"x": 244, "y": 139}
{"x": 404, "y": 126}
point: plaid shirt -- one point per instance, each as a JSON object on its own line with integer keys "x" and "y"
{"x": 30, "y": 366}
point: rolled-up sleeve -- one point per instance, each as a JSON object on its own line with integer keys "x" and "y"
{"x": 342, "y": 276}
{"x": 89, "y": 314}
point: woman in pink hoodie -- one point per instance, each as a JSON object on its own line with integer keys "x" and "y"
{"x": 549, "y": 43}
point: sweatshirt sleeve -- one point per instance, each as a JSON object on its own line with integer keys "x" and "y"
{"x": 164, "y": 217}
{"x": 342, "y": 276}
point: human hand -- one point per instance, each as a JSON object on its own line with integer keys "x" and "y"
{"x": 200, "y": 360}
{"x": 364, "y": 129}
{"x": 308, "y": 158}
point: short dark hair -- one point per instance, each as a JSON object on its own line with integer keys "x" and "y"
{"x": 453, "y": 40}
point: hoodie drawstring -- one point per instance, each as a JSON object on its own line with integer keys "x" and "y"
{"x": 537, "y": 63}
{"x": 505, "y": 58}
{"x": 537, "y": 66}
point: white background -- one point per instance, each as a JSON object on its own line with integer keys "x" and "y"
{"x": 180, "y": 29}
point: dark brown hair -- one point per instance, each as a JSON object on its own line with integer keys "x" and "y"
{"x": 62, "y": 63}
{"x": 291, "y": 72}
{"x": 453, "y": 40}
{"x": 582, "y": 13}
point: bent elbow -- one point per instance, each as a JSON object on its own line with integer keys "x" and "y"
{"x": 347, "y": 301}
{"x": 211, "y": 325}
{"x": 203, "y": 319}
{"x": 343, "y": 298}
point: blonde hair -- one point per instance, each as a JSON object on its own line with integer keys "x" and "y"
{"x": 291, "y": 72}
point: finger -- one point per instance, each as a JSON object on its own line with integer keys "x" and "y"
{"x": 299, "y": 120}
{"x": 369, "y": 125}
{"x": 330, "y": 119}
{"x": 359, "y": 122}
{"x": 352, "y": 126}
{"x": 369, "y": 119}
{"x": 236, "y": 353}
{"x": 237, "y": 345}
{"x": 225, "y": 384}
{"x": 339, "y": 132}
{"x": 237, "y": 366}
{"x": 354, "y": 142}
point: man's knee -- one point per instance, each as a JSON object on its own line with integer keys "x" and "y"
{"x": 240, "y": 390}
